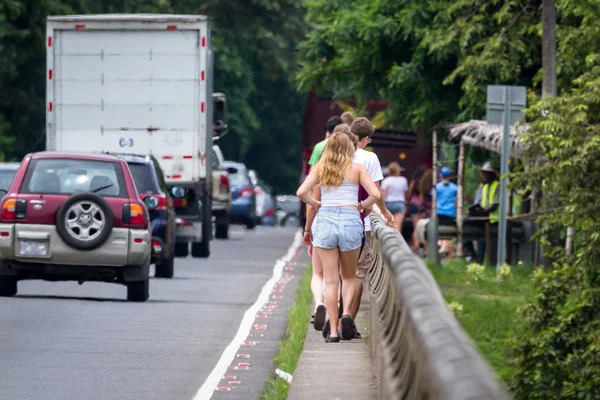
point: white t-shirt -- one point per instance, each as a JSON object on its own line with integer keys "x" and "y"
{"x": 396, "y": 187}
{"x": 371, "y": 163}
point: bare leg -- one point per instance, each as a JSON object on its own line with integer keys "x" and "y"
{"x": 415, "y": 238}
{"x": 330, "y": 260}
{"x": 348, "y": 274}
{"x": 399, "y": 221}
{"x": 316, "y": 283}
{"x": 355, "y": 306}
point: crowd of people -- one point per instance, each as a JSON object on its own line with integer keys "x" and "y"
{"x": 345, "y": 184}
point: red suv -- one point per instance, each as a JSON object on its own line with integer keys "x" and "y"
{"x": 69, "y": 216}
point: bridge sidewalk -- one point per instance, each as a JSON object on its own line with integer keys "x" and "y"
{"x": 336, "y": 370}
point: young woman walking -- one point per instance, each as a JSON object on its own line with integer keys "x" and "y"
{"x": 337, "y": 231}
{"x": 395, "y": 188}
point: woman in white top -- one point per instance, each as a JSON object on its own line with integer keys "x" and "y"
{"x": 337, "y": 229}
{"x": 395, "y": 188}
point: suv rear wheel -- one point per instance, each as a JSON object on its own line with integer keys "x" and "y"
{"x": 8, "y": 286}
{"x": 138, "y": 290}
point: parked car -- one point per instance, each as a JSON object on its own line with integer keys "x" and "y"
{"x": 269, "y": 216}
{"x": 243, "y": 197}
{"x": 221, "y": 194}
{"x": 150, "y": 182}
{"x": 70, "y": 216}
{"x": 7, "y": 173}
{"x": 288, "y": 211}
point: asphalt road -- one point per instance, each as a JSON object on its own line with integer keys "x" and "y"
{"x": 64, "y": 341}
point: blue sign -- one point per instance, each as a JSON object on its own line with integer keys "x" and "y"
{"x": 126, "y": 142}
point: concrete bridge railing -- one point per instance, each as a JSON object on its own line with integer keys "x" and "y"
{"x": 419, "y": 349}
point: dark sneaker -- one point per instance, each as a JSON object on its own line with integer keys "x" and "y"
{"x": 348, "y": 328}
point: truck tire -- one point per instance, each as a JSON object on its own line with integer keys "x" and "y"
{"x": 138, "y": 291}
{"x": 8, "y": 286}
{"x": 166, "y": 267}
{"x": 202, "y": 249}
{"x": 182, "y": 249}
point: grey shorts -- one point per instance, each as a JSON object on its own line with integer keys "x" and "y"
{"x": 337, "y": 228}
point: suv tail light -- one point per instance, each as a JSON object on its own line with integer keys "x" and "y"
{"x": 180, "y": 202}
{"x": 257, "y": 191}
{"x": 224, "y": 184}
{"x": 9, "y": 209}
{"x": 133, "y": 214}
{"x": 246, "y": 192}
{"x": 270, "y": 212}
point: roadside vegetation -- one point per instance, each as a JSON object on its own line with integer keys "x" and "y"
{"x": 291, "y": 347}
{"x": 487, "y": 308}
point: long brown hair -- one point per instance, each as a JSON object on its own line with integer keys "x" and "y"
{"x": 337, "y": 157}
{"x": 426, "y": 183}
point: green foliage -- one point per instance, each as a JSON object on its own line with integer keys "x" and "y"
{"x": 254, "y": 61}
{"x": 560, "y": 355}
{"x": 489, "y": 308}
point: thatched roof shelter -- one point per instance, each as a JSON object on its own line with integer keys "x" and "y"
{"x": 481, "y": 134}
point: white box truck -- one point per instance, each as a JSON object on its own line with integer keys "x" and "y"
{"x": 142, "y": 84}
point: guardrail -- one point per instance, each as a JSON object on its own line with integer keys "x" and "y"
{"x": 418, "y": 348}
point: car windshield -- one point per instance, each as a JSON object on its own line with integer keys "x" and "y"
{"x": 69, "y": 176}
{"x": 6, "y": 177}
{"x": 143, "y": 178}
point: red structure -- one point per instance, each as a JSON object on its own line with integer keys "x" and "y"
{"x": 390, "y": 145}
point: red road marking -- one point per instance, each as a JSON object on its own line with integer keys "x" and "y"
{"x": 258, "y": 335}
{"x": 260, "y": 327}
{"x": 261, "y": 316}
{"x": 227, "y": 377}
{"x": 243, "y": 356}
{"x": 243, "y": 364}
{"x": 239, "y": 368}
{"x": 235, "y": 383}
{"x": 223, "y": 388}
{"x": 276, "y": 297}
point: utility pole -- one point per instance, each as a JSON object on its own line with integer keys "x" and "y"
{"x": 548, "y": 48}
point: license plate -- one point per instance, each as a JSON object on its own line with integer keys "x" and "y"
{"x": 33, "y": 248}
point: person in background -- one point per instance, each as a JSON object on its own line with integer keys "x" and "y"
{"x": 364, "y": 130}
{"x": 318, "y": 149}
{"x": 395, "y": 190}
{"x": 348, "y": 118}
{"x": 447, "y": 193}
{"x": 490, "y": 197}
{"x": 316, "y": 284}
{"x": 415, "y": 203}
{"x": 338, "y": 231}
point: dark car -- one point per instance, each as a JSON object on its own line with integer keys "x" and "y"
{"x": 74, "y": 217}
{"x": 243, "y": 196}
{"x": 7, "y": 173}
{"x": 150, "y": 183}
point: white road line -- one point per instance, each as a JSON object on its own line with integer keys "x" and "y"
{"x": 207, "y": 389}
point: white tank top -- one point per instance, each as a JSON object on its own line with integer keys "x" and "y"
{"x": 339, "y": 196}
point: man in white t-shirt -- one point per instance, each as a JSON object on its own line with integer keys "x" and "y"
{"x": 362, "y": 128}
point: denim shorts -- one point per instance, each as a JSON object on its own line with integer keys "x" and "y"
{"x": 338, "y": 228}
{"x": 395, "y": 207}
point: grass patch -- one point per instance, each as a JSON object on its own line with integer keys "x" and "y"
{"x": 490, "y": 307}
{"x": 291, "y": 347}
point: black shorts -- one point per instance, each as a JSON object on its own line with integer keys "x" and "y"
{"x": 445, "y": 218}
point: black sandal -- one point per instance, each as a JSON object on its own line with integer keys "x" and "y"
{"x": 330, "y": 339}
{"x": 319, "y": 317}
{"x": 356, "y": 332}
{"x": 348, "y": 327}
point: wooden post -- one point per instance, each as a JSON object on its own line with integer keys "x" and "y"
{"x": 460, "y": 199}
{"x": 432, "y": 227}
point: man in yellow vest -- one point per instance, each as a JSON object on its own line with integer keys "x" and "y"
{"x": 490, "y": 198}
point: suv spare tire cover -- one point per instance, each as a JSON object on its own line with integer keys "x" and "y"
{"x": 63, "y": 230}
